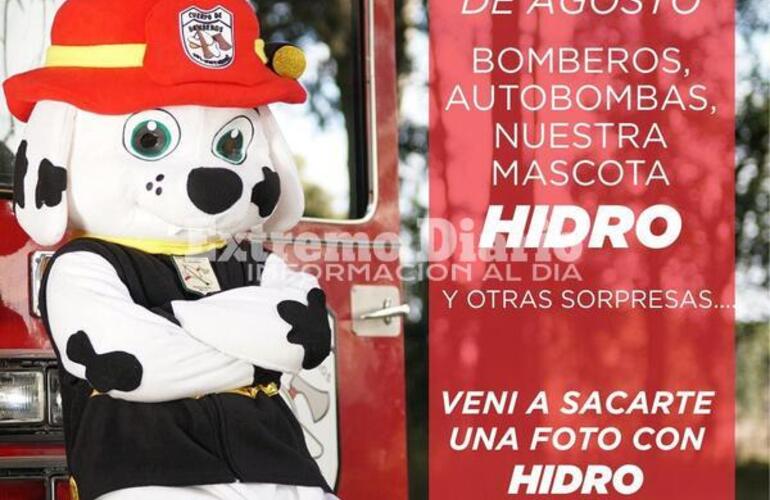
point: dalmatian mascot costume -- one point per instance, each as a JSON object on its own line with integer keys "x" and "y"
{"x": 149, "y": 144}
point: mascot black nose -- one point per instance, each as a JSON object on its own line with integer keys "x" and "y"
{"x": 214, "y": 190}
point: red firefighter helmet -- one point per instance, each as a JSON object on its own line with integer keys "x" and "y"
{"x": 118, "y": 57}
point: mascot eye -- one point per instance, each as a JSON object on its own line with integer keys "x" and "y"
{"x": 230, "y": 146}
{"x": 233, "y": 140}
{"x": 151, "y": 135}
{"x": 150, "y": 139}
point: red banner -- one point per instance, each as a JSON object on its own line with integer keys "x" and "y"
{"x": 582, "y": 205}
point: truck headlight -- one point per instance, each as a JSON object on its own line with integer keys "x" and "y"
{"x": 55, "y": 413}
{"x": 22, "y": 397}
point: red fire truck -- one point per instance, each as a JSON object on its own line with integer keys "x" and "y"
{"x": 352, "y": 407}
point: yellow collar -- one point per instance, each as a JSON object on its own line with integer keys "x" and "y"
{"x": 163, "y": 247}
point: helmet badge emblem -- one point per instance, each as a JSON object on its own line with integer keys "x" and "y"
{"x": 207, "y": 36}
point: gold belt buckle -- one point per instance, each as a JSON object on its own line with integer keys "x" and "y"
{"x": 270, "y": 389}
{"x": 252, "y": 392}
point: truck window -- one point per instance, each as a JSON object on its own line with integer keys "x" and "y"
{"x": 327, "y": 134}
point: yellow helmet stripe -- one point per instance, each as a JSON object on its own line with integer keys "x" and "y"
{"x": 127, "y": 55}
{"x": 259, "y": 48}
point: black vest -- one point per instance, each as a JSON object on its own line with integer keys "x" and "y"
{"x": 113, "y": 444}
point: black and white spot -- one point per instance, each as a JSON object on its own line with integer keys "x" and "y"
{"x": 112, "y": 371}
{"x": 20, "y": 173}
{"x": 266, "y": 194}
{"x": 51, "y": 184}
{"x": 310, "y": 326}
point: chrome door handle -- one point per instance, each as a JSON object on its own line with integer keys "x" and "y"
{"x": 388, "y": 312}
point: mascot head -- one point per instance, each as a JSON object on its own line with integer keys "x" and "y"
{"x": 150, "y": 121}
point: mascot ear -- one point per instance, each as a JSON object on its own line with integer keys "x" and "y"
{"x": 40, "y": 183}
{"x": 291, "y": 204}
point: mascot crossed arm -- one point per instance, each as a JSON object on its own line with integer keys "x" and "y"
{"x": 150, "y": 138}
